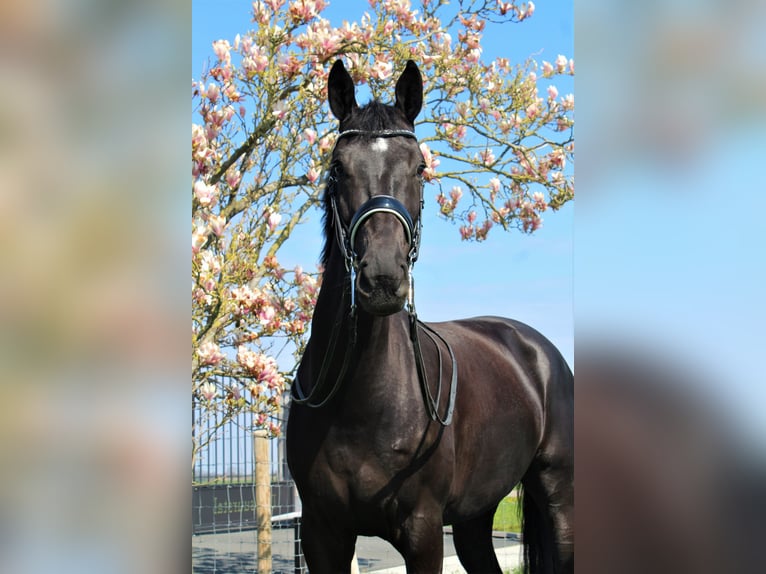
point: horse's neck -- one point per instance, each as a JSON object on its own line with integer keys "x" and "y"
{"x": 377, "y": 339}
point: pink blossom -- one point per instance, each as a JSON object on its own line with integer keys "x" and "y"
{"x": 567, "y": 102}
{"x": 234, "y": 392}
{"x": 221, "y": 49}
{"x": 297, "y": 327}
{"x": 471, "y": 217}
{"x": 267, "y": 314}
{"x": 473, "y": 55}
{"x": 202, "y": 297}
{"x": 504, "y": 7}
{"x": 231, "y": 92}
{"x": 208, "y": 284}
{"x": 233, "y": 177}
{"x": 209, "y": 353}
{"x": 208, "y": 391}
{"x": 263, "y": 368}
{"x": 430, "y": 162}
{"x": 553, "y": 93}
{"x": 381, "y": 70}
{"x": 217, "y": 224}
{"x": 288, "y": 64}
{"x": 481, "y": 233}
{"x": 302, "y": 11}
{"x": 487, "y": 157}
{"x": 494, "y": 184}
{"x": 547, "y": 69}
{"x": 539, "y": 201}
{"x": 273, "y": 220}
{"x": 326, "y": 143}
{"x": 561, "y": 63}
{"x": 532, "y": 110}
{"x": 199, "y": 236}
{"x": 247, "y": 358}
{"x": 526, "y": 11}
{"x": 213, "y": 92}
{"x": 260, "y": 14}
{"x": 455, "y": 194}
{"x": 558, "y": 159}
{"x": 532, "y": 224}
{"x": 466, "y": 232}
{"x": 254, "y": 61}
{"x": 244, "y": 298}
{"x": 310, "y": 136}
{"x": 571, "y": 66}
{"x": 210, "y": 263}
{"x": 207, "y": 195}
{"x": 312, "y": 174}
{"x": 280, "y": 109}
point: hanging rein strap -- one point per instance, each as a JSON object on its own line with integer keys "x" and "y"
{"x": 313, "y": 399}
{"x": 432, "y": 404}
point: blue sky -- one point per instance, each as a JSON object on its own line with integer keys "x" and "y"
{"x": 526, "y": 277}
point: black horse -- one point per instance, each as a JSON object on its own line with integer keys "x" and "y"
{"x": 397, "y": 427}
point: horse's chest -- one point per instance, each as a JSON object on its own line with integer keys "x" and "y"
{"x": 368, "y": 466}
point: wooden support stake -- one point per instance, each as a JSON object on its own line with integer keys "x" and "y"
{"x": 263, "y": 499}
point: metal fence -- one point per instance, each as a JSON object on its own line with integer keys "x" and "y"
{"x": 224, "y": 517}
{"x": 223, "y": 480}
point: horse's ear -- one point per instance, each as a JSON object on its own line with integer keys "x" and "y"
{"x": 340, "y": 91}
{"x": 409, "y": 91}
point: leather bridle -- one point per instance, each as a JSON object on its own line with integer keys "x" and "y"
{"x": 345, "y": 237}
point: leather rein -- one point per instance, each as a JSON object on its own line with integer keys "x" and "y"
{"x": 345, "y": 237}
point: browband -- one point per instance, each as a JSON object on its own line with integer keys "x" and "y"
{"x": 378, "y": 134}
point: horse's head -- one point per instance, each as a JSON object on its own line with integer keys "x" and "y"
{"x": 374, "y": 192}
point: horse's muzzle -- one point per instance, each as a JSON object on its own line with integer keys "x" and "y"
{"x": 381, "y": 294}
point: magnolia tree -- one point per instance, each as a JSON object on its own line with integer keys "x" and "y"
{"x": 496, "y": 137}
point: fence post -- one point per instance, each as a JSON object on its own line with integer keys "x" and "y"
{"x": 263, "y": 499}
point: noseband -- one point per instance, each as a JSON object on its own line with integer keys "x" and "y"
{"x": 345, "y": 237}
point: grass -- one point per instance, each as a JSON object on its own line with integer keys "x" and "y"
{"x": 508, "y": 517}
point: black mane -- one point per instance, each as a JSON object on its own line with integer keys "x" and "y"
{"x": 373, "y": 116}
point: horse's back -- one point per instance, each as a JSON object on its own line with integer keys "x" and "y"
{"x": 515, "y": 393}
{"x": 513, "y": 347}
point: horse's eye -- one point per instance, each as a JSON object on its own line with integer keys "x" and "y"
{"x": 421, "y": 168}
{"x": 336, "y": 169}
